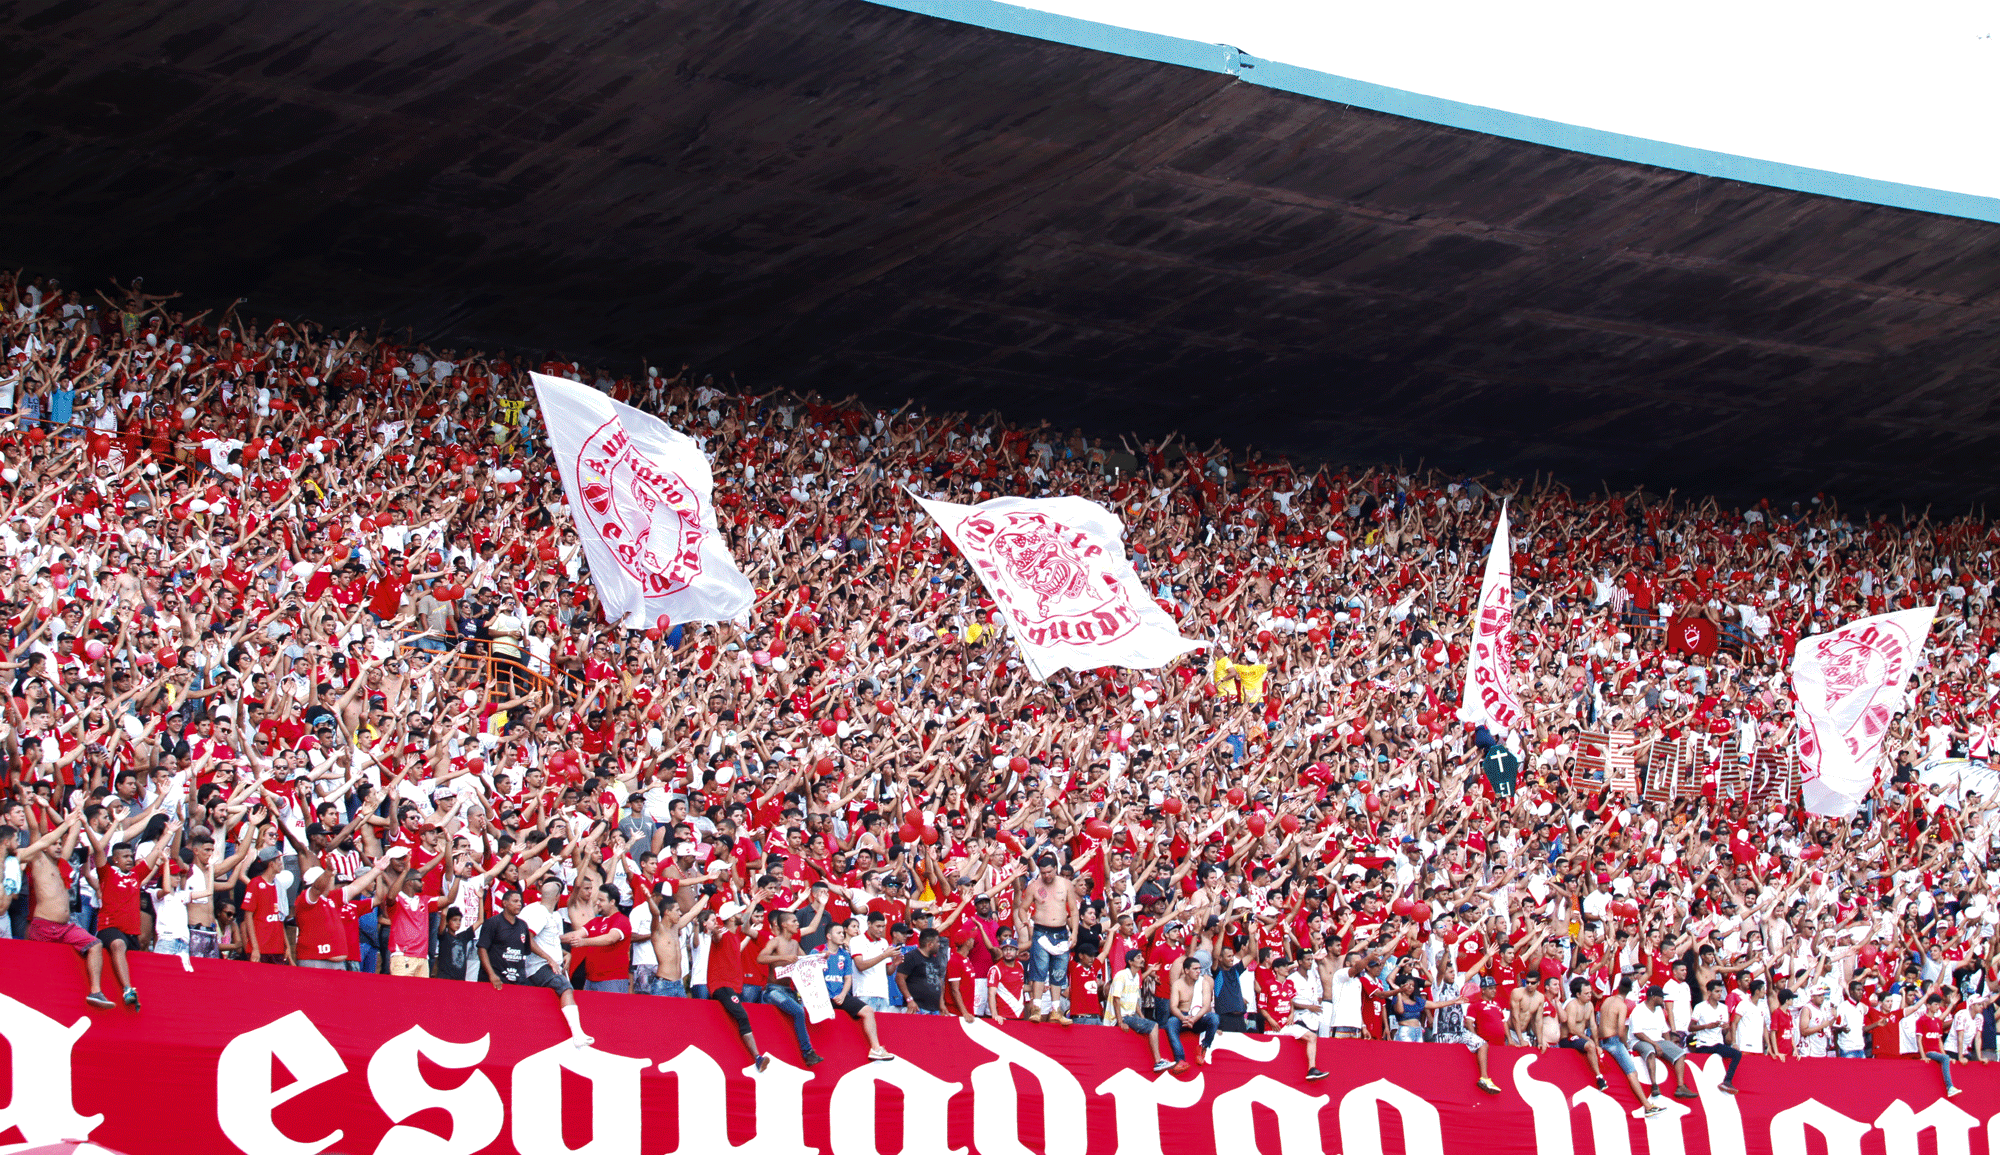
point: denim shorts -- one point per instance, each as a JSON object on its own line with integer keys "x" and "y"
{"x": 1045, "y": 965}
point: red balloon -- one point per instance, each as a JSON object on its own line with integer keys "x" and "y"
{"x": 1811, "y": 853}
{"x": 777, "y": 646}
{"x": 1373, "y": 804}
{"x": 475, "y": 764}
{"x": 824, "y": 768}
{"x": 1653, "y": 855}
{"x": 654, "y": 713}
{"x": 38, "y": 435}
{"x": 1289, "y": 823}
{"x": 169, "y": 657}
{"x": 886, "y": 707}
{"x": 828, "y": 727}
{"x": 1237, "y": 796}
{"x": 930, "y": 836}
{"x": 1017, "y": 764}
{"x": 1403, "y": 907}
{"x": 1097, "y": 828}
{"x": 1172, "y": 806}
{"x": 840, "y": 713}
{"x": 1259, "y": 824}
{"x": 213, "y": 495}
{"x": 367, "y": 525}
{"x": 837, "y": 651}
{"x": 910, "y": 833}
{"x": 57, "y": 571}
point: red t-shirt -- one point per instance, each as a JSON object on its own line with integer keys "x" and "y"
{"x": 118, "y": 891}
{"x": 1004, "y": 996}
{"x": 612, "y": 961}
{"x": 725, "y": 961}
{"x": 1930, "y": 1034}
{"x": 322, "y": 932}
{"x": 1489, "y": 1020}
{"x": 266, "y": 922}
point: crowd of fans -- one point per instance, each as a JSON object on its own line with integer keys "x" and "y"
{"x": 307, "y": 669}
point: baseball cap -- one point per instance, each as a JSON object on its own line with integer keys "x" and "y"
{"x": 1655, "y": 990}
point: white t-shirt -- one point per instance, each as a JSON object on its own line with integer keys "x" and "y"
{"x": 1344, "y": 993}
{"x": 643, "y": 954}
{"x": 1752, "y": 1019}
{"x": 872, "y": 983}
{"x": 1707, "y": 1021}
{"x": 546, "y": 926}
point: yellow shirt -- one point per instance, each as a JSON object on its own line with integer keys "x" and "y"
{"x": 1252, "y": 680}
{"x": 1225, "y": 675}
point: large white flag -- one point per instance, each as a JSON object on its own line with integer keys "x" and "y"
{"x": 1058, "y": 571}
{"x": 1489, "y": 698}
{"x": 1849, "y": 686}
{"x": 640, "y": 493}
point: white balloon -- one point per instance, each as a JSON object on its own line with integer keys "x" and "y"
{"x": 198, "y": 505}
{"x": 778, "y": 664}
{"x": 11, "y": 474}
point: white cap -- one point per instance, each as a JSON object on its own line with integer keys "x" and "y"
{"x": 313, "y": 875}
{"x": 730, "y": 910}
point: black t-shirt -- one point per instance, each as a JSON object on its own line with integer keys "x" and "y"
{"x": 925, "y": 978}
{"x": 506, "y": 946}
{"x": 454, "y": 954}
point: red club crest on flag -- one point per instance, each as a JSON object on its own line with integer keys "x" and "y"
{"x": 648, "y": 518}
{"x": 1042, "y": 569}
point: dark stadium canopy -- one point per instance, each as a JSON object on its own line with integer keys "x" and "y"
{"x": 838, "y": 194}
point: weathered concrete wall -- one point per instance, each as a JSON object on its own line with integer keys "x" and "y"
{"x": 829, "y": 191}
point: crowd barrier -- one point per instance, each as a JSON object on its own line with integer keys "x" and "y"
{"x": 275, "y": 1061}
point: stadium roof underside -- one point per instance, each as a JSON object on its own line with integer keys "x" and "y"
{"x": 860, "y": 198}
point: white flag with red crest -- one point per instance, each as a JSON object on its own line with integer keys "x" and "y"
{"x": 1489, "y": 698}
{"x": 1058, "y": 573}
{"x": 641, "y": 495}
{"x": 1848, "y": 686}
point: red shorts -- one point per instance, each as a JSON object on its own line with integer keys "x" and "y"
{"x": 67, "y": 933}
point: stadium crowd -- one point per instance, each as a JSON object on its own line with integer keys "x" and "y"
{"x": 306, "y": 669}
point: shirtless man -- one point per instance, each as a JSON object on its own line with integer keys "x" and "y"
{"x": 781, "y": 951}
{"x": 1611, "y": 1015}
{"x": 46, "y": 860}
{"x": 1052, "y": 903}
{"x": 1524, "y": 1018}
{"x": 668, "y": 922}
{"x": 1578, "y": 1021}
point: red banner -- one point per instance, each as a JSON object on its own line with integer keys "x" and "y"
{"x": 273, "y": 1061}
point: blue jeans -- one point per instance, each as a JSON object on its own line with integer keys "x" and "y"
{"x": 614, "y": 986}
{"x": 1205, "y": 1027}
{"x": 1942, "y": 1060}
{"x": 751, "y": 994}
{"x": 788, "y": 1002}
{"x": 668, "y": 988}
{"x": 371, "y": 958}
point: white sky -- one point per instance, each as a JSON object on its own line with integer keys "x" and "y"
{"x": 1898, "y": 90}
